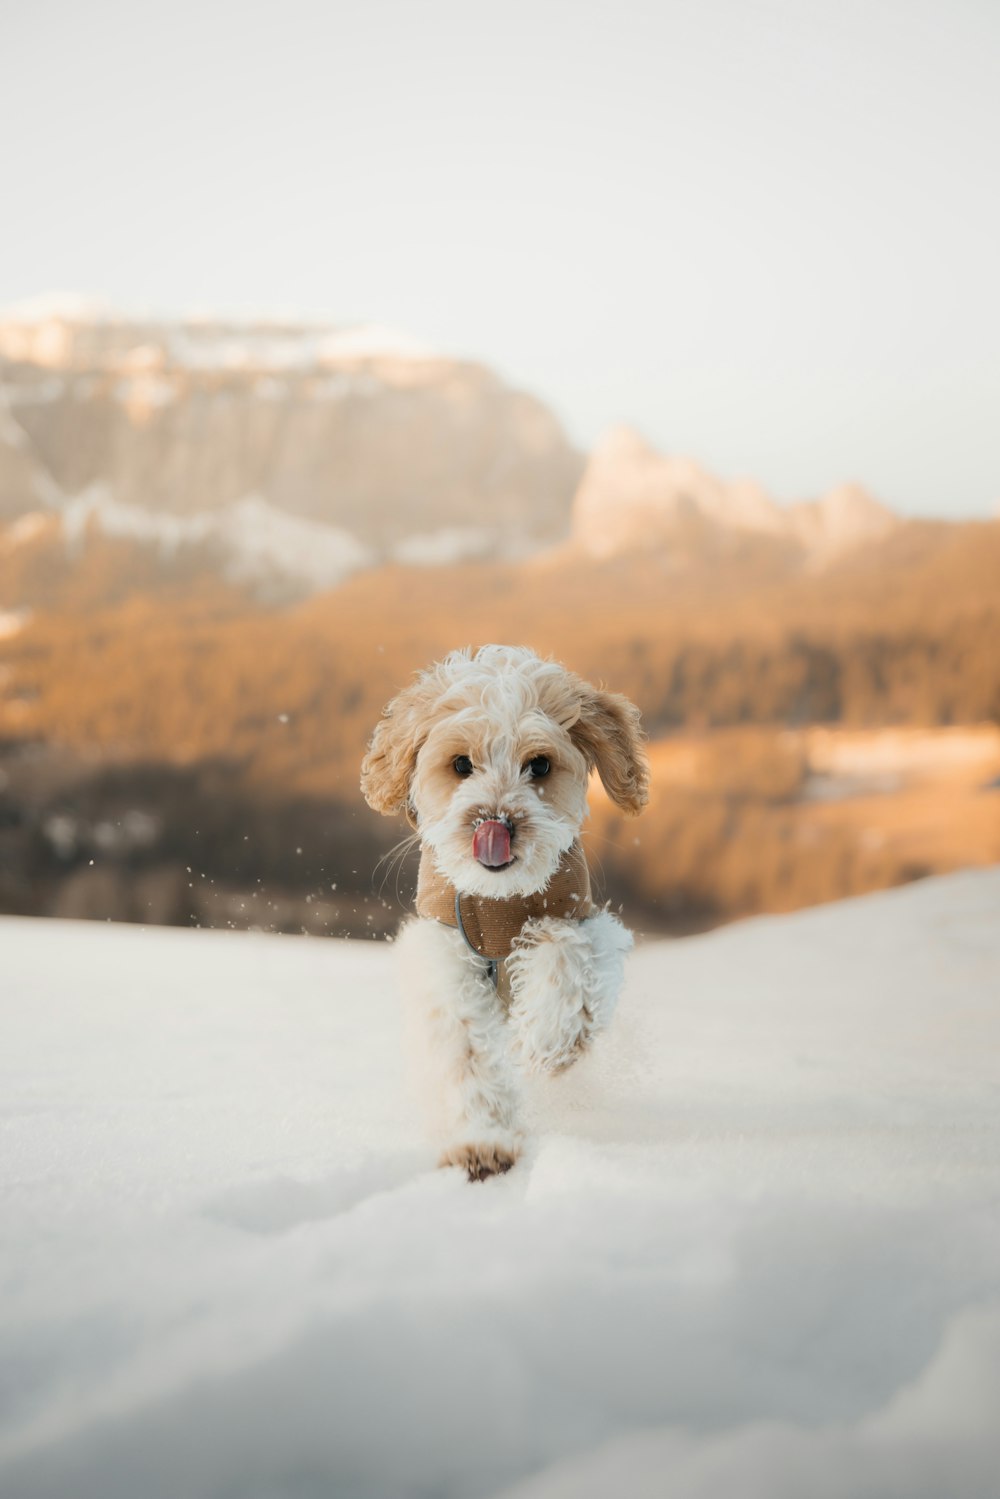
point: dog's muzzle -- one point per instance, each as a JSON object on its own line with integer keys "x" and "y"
{"x": 491, "y": 843}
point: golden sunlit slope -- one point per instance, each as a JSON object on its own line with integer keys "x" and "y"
{"x": 171, "y": 749}
{"x": 906, "y": 632}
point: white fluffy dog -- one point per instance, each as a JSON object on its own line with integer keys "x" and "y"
{"x": 509, "y": 965}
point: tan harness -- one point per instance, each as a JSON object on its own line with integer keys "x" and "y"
{"x": 491, "y": 926}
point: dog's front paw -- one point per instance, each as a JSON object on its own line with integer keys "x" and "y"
{"x": 565, "y": 977}
{"x": 551, "y": 975}
{"x": 481, "y": 1160}
{"x": 549, "y": 1057}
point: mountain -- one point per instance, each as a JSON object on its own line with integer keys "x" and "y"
{"x": 283, "y": 457}
{"x": 358, "y": 429}
{"x": 199, "y": 626}
{"x": 633, "y": 498}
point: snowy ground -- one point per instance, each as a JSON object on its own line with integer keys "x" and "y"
{"x": 755, "y": 1250}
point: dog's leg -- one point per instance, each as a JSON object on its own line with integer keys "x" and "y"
{"x": 459, "y": 1027}
{"x": 565, "y": 978}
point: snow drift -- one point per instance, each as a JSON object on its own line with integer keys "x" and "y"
{"x": 754, "y": 1248}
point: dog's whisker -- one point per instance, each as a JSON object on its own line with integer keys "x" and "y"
{"x": 400, "y": 854}
{"x": 393, "y": 861}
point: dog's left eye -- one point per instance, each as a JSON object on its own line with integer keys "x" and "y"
{"x": 539, "y": 767}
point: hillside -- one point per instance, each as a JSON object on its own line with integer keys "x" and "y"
{"x": 902, "y": 632}
{"x": 234, "y": 731}
{"x": 753, "y": 1247}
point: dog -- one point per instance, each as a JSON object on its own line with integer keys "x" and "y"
{"x": 509, "y": 966}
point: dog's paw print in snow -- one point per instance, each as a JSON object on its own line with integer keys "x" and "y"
{"x": 278, "y": 1204}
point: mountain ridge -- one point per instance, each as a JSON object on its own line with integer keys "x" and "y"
{"x": 291, "y": 455}
{"x": 358, "y": 429}
{"x": 632, "y": 497}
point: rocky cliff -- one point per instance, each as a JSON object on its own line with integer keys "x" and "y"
{"x": 632, "y": 497}
{"x": 355, "y": 429}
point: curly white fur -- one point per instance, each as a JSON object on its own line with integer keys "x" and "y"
{"x": 565, "y": 978}
{"x": 462, "y": 1061}
{"x": 455, "y": 748}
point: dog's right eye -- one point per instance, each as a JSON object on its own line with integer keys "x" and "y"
{"x": 462, "y": 765}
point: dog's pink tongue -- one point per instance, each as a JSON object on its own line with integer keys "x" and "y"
{"x": 491, "y": 844}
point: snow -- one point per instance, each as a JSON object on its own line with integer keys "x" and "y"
{"x": 260, "y": 542}
{"x": 96, "y": 505}
{"x": 755, "y": 1247}
{"x": 43, "y": 330}
{"x": 447, "y": 546}
{"x": 263, "y": 540}
{"x": 275, "y": 349}
{"x": 373, "y": 341}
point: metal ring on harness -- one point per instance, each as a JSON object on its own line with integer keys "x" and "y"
{"x": 492, "y": 964}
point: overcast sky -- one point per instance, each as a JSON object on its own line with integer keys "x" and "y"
{"x": 767, "y": 234}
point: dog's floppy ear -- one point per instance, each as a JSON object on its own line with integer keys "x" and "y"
{"x": 609, "y": 733}
{"x": 388, "y": 766}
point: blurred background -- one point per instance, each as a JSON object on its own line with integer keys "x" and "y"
{"x": 664, "y": 339}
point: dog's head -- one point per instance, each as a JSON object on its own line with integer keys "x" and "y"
{"x": 489, "y": 756}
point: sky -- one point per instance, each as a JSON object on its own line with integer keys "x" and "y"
{"x": 765, "y": 233}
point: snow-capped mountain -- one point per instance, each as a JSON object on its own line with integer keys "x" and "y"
{"x": 299, "y": 454}
{"x": 633, "y": 497}
{"x": 359, "y": 429}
